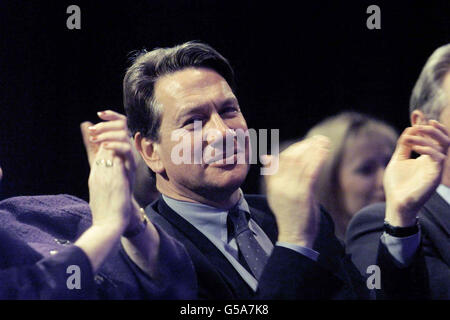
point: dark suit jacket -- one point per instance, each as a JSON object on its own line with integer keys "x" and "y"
{"x": 288, "y": 274}
{"x": 429, "y": 274}
{"x": 32, "y": 228}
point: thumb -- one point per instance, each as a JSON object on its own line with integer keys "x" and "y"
{"x": 266, "y": 159}
{"x": 403, "y": 149}
{"x": 270, "y": 164}
{"x": 90, "y": 147}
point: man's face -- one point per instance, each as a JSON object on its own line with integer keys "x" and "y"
{"x": 199, "y": 95}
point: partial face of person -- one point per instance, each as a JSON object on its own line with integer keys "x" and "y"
{"x": 444, "y": 118}
{"x": 361, "y": 171}
{"x": 445, "y": 114}
{"x": 191, "y": 97}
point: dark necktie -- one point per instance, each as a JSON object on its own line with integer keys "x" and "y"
{"x": 249, "y": 248}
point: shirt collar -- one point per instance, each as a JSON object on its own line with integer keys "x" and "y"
{"x": 209, "y": 220}
{"x": 444, "y": 192}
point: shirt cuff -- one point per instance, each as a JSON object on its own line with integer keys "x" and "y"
{"x": 309, "y": 253}
{"x": 401, "y": 249}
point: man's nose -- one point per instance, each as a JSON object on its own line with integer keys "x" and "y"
{"x": 217, "y": 129}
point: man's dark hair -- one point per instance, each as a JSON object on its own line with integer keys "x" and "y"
{"x": 143, "y": 111}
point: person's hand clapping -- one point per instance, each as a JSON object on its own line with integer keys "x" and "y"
{"x": 112, "y": 168}
{"x": 408, "y": 183}
{"x": 110, "y": 182}
{"x": 110, "y": 188}
{"x": 290, "y": 191}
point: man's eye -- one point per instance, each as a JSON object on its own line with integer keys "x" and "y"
{"x": 229, "y": 110}
{"x": 192, "y": 120}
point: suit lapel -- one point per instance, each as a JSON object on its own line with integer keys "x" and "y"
{"x": 436, "y": 216}
{"x": 210, "y": 252}
{"x": 440, "y": 210}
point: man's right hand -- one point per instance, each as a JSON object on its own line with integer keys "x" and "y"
{"x": 290, "y": 191}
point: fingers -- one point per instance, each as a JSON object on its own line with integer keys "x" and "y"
{"x": 267, "y": 159}
{"x": 113, "y": 125}
{"x": 431, "y": 139}
{"x": 403, "y": 149}
{"x": 123, "y": 150}
{"x": 422, "y": 141}
{"x": 317, "y": 144}
{"x": 108, "y": 159}
{"x": 113, "y": 167}
{"x": 305, "y": 158}
{"x": 439, "y": 126}
{"x": 109, "y": 115}
{"x": 432, "y": 152}
{"x": 270, "y": 164}
{"x": 110, "y": 136}
{"x": 90, "y": 147}
{"x": 101, "y": 158}
{"x": 435, "y": 131}
{"x": 317, "y": 157}
{"x": 113, "y": 129}
{"x": 299, "y": 148}
{"x": 113, "y": 135}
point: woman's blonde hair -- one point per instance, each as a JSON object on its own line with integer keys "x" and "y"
{"x": 339, "y": 129}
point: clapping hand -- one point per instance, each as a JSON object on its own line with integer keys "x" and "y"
{"x": 409, "y": 183}
{"x": 113, "y": 167}
{"x": 290, "y": 191}
{"x": 111, "y": 190}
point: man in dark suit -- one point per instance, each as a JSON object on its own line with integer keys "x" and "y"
{"x": 423, "y": 244}
{"x": 241, "y": 246}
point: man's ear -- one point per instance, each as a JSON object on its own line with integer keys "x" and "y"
{"x": 418, "y": 117}
{"x": 150, "y": 152}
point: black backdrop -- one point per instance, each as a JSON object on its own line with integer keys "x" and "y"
{"x": 296, "y": 62}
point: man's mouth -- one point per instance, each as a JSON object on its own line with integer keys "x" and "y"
{"x": 225, "y": 158}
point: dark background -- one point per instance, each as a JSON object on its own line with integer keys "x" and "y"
{"x": 296, "y": 63}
